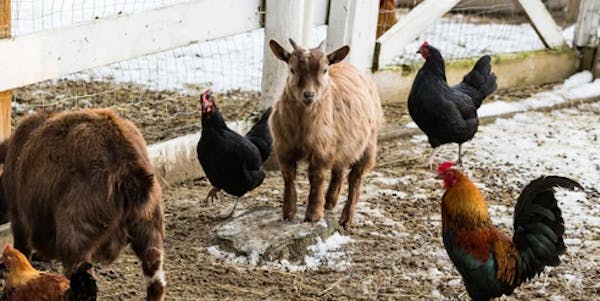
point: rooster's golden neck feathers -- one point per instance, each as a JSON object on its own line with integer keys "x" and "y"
{"x": 463, "y": 205}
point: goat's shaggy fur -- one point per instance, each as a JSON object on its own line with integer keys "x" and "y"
{"x": 334, "y": 130}
{"x": 79, "y": 187}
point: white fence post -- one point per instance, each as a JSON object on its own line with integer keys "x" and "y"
{"x": 587, "y": 32}
{"x": 543, "y": 23}
{"x": 283, "y": 20}
{"x": 354, "y": 22}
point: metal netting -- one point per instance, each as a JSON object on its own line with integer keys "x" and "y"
{"x": 477, "y": 27}
{"x": 159, "y": 92}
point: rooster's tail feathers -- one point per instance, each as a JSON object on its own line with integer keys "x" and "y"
{"x": 539, "y": 226}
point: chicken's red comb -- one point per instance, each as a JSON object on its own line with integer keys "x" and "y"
{"x": 444, "y": 167}
{"x": 424, "y": 44}
{"x": 204, "y": 96}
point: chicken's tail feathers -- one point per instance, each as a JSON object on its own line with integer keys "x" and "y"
{"x": 539, "y": 225}
{"x": 481, "y": 79}
{"x": 83, "y": 286}
{"x": 260, "y": 135}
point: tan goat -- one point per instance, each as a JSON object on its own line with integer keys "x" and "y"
{"x": 328, "y": 114}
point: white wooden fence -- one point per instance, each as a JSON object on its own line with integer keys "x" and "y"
{"x": 57, "y": 52}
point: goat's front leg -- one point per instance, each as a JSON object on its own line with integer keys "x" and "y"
{"x": 147, "y": 242}
{"x": 335, "y": 185}
{"x": 316, "y": 197}
{"x": 288, "y": 170}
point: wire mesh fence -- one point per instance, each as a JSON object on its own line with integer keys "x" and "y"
{"x": 159, "y": 92}
{"x": 477, "y": 27}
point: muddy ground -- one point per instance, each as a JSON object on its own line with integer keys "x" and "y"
{"x": 396, "y": 253}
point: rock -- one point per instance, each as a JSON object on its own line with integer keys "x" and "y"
{"x": 261, "y": 235}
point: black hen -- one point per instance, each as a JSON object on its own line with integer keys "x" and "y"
{"x": 83, "y": 286}
{"x": 231, "y": 161}
{"x": 448, "y": 114}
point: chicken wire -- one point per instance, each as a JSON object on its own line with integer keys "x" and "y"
{"x": 477, "y": 27}
{"x": 159, "y": 92}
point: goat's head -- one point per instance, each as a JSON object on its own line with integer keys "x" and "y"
{"x": 308, "y": 74}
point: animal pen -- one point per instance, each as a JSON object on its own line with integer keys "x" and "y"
{"x": 150, "y": 60}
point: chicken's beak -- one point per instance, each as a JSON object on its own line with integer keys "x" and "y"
{"x": 419, "y": 51}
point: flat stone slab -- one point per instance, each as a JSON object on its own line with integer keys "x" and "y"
{"x": 261, "y": 234}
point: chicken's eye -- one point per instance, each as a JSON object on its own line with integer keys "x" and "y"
{"x": 292, "y": 71}
{"x": 325, "y": 70}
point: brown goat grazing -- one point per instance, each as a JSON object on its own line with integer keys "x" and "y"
{"x": 79, "y": 187}
{"x": 328, "y": 114}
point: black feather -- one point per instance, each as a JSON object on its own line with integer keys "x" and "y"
{"x": 539, "y": 226}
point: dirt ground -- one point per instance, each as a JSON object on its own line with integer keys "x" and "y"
{"x": 396, "y": 254}
{"x": 168, "y": 114}
{"x": 397, "y": 251}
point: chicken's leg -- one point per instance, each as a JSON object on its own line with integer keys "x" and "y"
{"x": 459, "y": 161}
{"x": 212, "y": 194}
{"x": 429, "y": 162}
{"x": 234, "y": 206}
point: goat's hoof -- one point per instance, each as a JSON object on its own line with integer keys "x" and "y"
{"x": 289, "y": 216}
{"x": 346, "y": 224}
{"x": 313, "y": 216}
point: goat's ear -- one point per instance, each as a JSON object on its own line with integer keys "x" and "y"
{"x": 338, "y": 55}
{"x": 279, "y": 51}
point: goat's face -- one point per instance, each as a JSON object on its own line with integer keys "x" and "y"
{"x": 308, "y": 76}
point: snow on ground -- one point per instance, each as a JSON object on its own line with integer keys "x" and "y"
{"x": 579, "y": 85}
{"x": 235, "y": 62}
{"x": 328, "y": 253}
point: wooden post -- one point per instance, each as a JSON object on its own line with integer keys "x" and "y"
{"x": 309, "y": 22}
{"x": 586, "y": 33}
{"x": 543, "y": 23}
{"x": 408, "y": 28}
{"x": 5, "y": 96}
{"x": 283, "y": 20}
{"x": 354, "y": 23}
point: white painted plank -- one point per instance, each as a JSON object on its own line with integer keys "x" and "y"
{"x": 543, "y": 23}
{"x": 58, "y": 52}
{"x": 321, "y": 11}
{"x": 309, "y": 22}
{"x": 354, "y": 23}
{"x": 283, "y": 20}
{"x": 409, "y": 27}
{"x": 587, "y": 30}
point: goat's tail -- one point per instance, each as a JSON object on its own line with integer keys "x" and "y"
{"x": 83, "y": 285}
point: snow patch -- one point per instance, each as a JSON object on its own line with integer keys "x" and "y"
{"x": 324, "y": 253}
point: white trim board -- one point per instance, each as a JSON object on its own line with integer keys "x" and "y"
{"x": 58, "y": 52}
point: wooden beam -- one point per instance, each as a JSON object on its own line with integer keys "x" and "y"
{"x": 57, "y": 52}
{"x": 543, "y": 23}
{"x": 5, "y": 96}
{"x": 283, "y": 20}
{"x": 408, "y": 28}
{"x": 354, "y": 23}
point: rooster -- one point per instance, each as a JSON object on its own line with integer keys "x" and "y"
{"x": 490, "y": 263}
{"x": 232, "y": 162}
{"x": 25, "y": 283}
{"x": 448, "y": 114}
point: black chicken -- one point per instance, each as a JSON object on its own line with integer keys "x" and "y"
{"x": 448, "y": 114}
{"x": 231, "y": 161}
